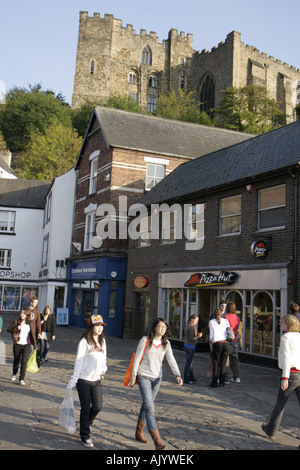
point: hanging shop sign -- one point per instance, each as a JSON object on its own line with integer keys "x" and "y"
{"x": 259, "y": 249}
{"x": 140, "y": 282}
{"x": 224, "y": 278}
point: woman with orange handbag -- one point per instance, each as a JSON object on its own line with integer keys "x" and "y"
{"x": 149, "y": 374}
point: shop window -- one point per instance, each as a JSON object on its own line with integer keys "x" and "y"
{"x": 7, "y": 221}
{"x": 11, "y": 298}
{"x": 146, "y": 58}
{"x": 155, "y": 173}
{"x": 175, "y": 314}
{"x": 230, "y": 215}
{"x": 263, "y": 324}
{"x": 27, "y": 294}
{"x": 113, "y": 299}
{"x": 271, "y": 207}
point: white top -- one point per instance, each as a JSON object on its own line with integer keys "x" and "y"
{"x": 90, "y": 362}
{"x": 24, "y": 332}
{"x": 217, "y": 331}
{"x": 289, "y": 353}
{"x": 151, "y": 365}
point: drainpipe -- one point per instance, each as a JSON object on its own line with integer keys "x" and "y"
{"x": 294, "y": 176}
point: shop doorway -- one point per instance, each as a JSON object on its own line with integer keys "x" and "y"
{"x": 83, "y": 307}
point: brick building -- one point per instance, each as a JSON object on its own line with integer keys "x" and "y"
{"x": 240, "y": 242}
{"x": 122, "y": 156}
{"x": 112, "y": 59}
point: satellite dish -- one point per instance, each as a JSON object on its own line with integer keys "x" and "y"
{"x": 96, "y": 241}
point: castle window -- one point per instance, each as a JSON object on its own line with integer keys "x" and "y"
{"x": 132, "y": 79}
{"x": 92, "y": 67}
{"x": 133, "y": 96}
{"x": 182, "y": 82}
{"x": 207, "y": 94}
{"x": 151, "y": 104}
{"x": 146, "y": 56}
{"x": 152, "y": 81}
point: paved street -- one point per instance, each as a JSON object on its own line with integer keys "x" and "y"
{"x": 189, "y": 418}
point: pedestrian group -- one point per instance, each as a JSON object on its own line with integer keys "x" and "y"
{"x": 34, "y": 332}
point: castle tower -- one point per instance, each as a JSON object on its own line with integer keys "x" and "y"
{"x": 114, "y": 60}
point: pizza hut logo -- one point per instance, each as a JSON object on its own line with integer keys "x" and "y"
{"x": 212, "y": 279}
{"x": 259, "y": 249}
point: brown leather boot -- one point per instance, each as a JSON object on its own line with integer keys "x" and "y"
{"x": 139, "y": 434}
{"x": 159, "y": 445}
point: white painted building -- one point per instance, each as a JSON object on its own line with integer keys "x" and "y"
{"x": 56, "y": 241}
{"x": 21, "y": 229}
{"x": 36, "y": 220}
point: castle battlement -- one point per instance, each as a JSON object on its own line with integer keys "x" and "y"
{"x": 108, "y": 52}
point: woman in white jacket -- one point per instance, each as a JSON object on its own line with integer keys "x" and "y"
{"x": 89, "y": 368}
{"x": 289, "y": 363}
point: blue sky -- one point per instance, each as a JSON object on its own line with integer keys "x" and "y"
{"x": 39, "y": 38}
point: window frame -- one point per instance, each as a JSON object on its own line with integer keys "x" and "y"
{"x": 231, "y": 215}
{"x": 270, "y": 208}
{"x": 93, "y": 172}
{"x": 155, "y": 178}
{"x": 5, "y": 258}
{"x": 11, "y": 222}
{"x": 89, "y": 228}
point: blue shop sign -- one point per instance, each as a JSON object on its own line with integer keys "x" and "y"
{"x": 85, "y": 270}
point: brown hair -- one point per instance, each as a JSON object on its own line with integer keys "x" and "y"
{"x": 88, "y": 335}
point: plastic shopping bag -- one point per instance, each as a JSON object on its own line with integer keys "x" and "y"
{"x": 32, "y": 365}
{"x": 66, "y": 418}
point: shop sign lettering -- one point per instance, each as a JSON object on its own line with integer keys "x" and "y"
{"x": 211, "y": 279}
{"x": 14, "y": 275}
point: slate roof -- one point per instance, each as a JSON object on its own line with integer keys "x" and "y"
{"x": 141, "y": 132}
{"x": 247, "y": 161}
{"x": 23, "y": 193}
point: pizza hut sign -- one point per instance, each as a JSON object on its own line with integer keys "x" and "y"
{"x": 224, "y": 278}
{"x": 259, "y": 249}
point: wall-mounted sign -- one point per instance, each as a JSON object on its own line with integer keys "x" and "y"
{"x": 141, "y": 281}
{"x": 84, "y": 270}
{"x": 259, "y": 249}
{"x": 224, "y": 278}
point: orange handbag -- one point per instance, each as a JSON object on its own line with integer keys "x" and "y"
{"x": 128, "y": 373}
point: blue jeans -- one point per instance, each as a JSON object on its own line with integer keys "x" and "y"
{"x": 44, "y": 348}
{"x": 188, "y": 369}
{"x": 148, "y": 389}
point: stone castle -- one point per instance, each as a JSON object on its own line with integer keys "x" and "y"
{"x": 114, "y": 60}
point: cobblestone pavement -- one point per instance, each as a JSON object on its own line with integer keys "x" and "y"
{"x": 195, "y": 417}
